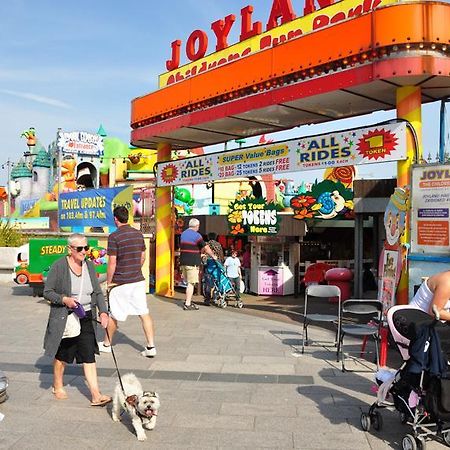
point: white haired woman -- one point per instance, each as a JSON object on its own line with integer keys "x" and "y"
{"x": 71, "y": 281}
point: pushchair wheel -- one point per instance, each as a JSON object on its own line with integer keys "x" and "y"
{"x": 377, "y": 421}
{"x": 365, "y": 422}
{"x": 409, "y": 442}
{"x": 223, "y": 303}
{"x": 446, "y": 437}
{"x": 239, "y": 304}
{"x": 421, "y": 443}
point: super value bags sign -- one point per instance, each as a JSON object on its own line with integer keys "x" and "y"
{"x": 381, "y": 143}
{"x": 253, "y": 216}
{"x": 93, "y": 207}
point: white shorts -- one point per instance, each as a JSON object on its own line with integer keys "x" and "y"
{"x": 128, "y": 300}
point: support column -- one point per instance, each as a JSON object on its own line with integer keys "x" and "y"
{"x": 164, "y": 232}
{"x": 409, "y": 107}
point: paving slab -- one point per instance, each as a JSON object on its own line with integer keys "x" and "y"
{"x": 227, "y": 379}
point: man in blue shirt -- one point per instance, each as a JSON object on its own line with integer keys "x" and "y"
{"x": 191, "y": 246}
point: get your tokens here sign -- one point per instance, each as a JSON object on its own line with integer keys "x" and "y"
{"x": 381, "y": 143}
{"x": 430, "y": 209}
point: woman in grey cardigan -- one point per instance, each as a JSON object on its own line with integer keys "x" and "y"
{"x": 71, "y": 279}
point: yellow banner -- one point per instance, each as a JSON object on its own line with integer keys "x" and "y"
{"x": 345, "y": 9}
{"x": 244, "y": 156}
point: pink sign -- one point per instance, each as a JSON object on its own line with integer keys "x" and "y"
{"x": 270, "y": 281}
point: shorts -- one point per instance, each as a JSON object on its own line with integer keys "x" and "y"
{"x": 190, "y": 274}
{"x": 128, "y": 300}
{"x": 82, "y": 348}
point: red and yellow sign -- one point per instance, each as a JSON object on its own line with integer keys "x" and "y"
{"x": 253, "y": 39}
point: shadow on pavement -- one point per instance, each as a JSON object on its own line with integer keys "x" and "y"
{"x": 346, "y": 408}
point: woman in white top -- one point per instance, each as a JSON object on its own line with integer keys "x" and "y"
{"x": 434, "y": 291}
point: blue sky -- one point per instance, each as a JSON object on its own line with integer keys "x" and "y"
{"x": 77, "y": 64}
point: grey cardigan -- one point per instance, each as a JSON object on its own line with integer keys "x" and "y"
{"x": 57, "y": 286}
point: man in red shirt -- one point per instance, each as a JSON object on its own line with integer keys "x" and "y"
{"x": 127, "y": 297}
{"x": 191, "y": 245}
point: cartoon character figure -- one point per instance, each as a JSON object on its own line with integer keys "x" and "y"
{"x": 330, "y": 204}
{"x": 183, "y": 201}
{"x": 393, "y": 255}
{"x": 68, "y": 177}
{"x": 141, "y": 159}
{"x": 30, "y": 136}
{"x": 395, "y": 217}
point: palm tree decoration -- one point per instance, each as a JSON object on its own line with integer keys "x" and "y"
{"x": 30, "y": 136}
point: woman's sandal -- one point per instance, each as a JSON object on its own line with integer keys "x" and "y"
{"x": 104, "y": 400}
{"x": 60, "y": 394}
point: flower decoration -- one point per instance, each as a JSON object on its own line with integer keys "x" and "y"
{"x": 237, "y": 229}
{"x": 235, "y": 217}
{"x": 169, "y": 173}
{"x": 302, "y": 201}
{"x": 303, "y": 213}
{"x": 97, "y": 256}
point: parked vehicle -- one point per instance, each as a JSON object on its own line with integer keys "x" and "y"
{"x": 34, "y": 260}
{"x": 3, "y": 387}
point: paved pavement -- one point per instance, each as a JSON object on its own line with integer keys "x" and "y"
{"x": 227, "y": 379}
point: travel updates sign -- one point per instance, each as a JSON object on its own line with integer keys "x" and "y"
{"x": 93, "y": 207}
{"x": 380, "y": 143}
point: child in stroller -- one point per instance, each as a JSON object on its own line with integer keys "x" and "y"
{"x": 419, "y": 390}
{"x": 217, "y": 287}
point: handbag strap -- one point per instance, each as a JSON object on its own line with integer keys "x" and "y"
{"x": 82, "y": 280}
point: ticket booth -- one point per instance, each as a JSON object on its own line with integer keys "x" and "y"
{"x": 273, "y": 265}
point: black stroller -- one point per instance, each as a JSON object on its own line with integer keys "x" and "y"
{"x": 419, "y": 390}
{"x": 217, "y": 287}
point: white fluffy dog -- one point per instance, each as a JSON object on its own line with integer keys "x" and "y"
{"x": 141, "y": 406}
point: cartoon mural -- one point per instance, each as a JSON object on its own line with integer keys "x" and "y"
{"x": 393, "y": 256}
{"x": 183, "y": 201}
{"x": 325, "y": 200}
{"x": 86, "y": 160}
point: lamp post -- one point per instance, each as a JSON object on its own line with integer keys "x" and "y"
{"x": 8, "y": 165}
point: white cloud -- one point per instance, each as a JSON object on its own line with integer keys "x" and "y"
{"x": 37, "y": 98}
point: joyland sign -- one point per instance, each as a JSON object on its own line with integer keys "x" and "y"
{"x": 282, "y": 25}
{"x": 381, "y": 143}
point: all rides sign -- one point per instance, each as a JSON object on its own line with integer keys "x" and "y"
{"x": 380, "y": 143}
{"x": 332, "y": 198}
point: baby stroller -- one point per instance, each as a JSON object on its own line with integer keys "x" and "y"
{"x": 217, "y": 287}
{"x": 419, "y": 390}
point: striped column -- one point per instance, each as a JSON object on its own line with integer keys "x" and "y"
{"x": 164, "y": 232}
{"x": 409, "y": 104}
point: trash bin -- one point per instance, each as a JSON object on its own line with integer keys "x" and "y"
{"x": 340, "y": 277}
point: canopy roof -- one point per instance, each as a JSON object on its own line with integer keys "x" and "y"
{"x": 351, "y": 68}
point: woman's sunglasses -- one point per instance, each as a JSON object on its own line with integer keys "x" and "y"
{"x": 80, "y": 248}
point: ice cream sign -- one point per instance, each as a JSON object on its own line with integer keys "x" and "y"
{"x": 252, "y": 216}
{"x": 80, "y": 143}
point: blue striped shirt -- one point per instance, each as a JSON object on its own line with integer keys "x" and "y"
{"x": 127, "y": 244}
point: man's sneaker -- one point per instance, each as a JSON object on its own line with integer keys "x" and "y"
{"x": 104, "y": 348}
{"x": 190, "y": 307}
{"x": 149, "y": 352}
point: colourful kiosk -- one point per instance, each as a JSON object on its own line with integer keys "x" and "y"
{"x": 327, "y": 62}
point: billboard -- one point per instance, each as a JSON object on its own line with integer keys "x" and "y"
{"x": 93, "y": 207}
{"x": 379, "y": 143}
{"x": 430, "y": 216}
